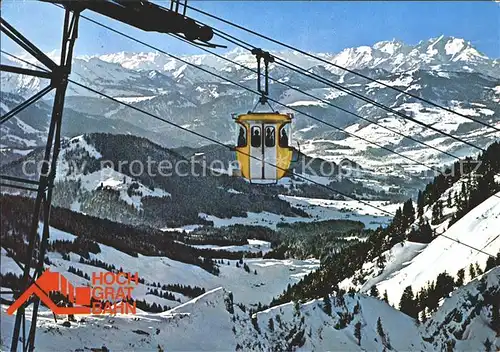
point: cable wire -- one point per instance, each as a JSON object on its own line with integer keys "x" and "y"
{"x": 327, "y": 102}
{"x": 257, "y": 93}
{"x": 230, "y": 148}
{"x": 346, "y": 90}
{"x": 268, "y": 163}
{"x": 339, "y": 67}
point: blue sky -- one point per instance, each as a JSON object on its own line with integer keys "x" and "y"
{"x": 316, "y": 26}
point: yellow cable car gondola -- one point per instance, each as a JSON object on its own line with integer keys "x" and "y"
{"x": 263, "y": 148}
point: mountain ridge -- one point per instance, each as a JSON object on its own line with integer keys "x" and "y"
{"x": 197, "y": 101}
{"x": 375, "y": 55}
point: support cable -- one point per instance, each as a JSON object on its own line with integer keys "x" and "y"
{"x": 253, "y": 91}
{"x": 306, "y": 73}
{"x": 331, "y": 104}
{"x": 230, "y": 147}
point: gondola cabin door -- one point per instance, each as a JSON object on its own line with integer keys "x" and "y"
{"x": 270, "y": 152}
{"x": 262, "y": 153}
{"x": 256, "y": 151}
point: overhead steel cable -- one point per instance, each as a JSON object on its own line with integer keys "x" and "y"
{"x": 304, "y": 72}
{"x": 379, "y": 105}
{"x": 333, "y": 84}
{"x": 254, "y": 92}
{"x": 337, "y": 66}
{"x": 469, "y": 246}
{"x": 327, "y": 103}
{"x": 230, "y": 148}
{"x": 220, "y": 77}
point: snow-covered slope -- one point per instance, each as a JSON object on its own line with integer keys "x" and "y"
{"x": 418, "y": 264}
{"x": 318, "y": 210}
{"x": 465, "y": 319}
{"x": 223, "y": 312}
{"x": 266, "y": 277}
{"x": 213, "y": 322}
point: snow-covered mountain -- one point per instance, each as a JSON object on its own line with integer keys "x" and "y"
{"x": 230, "y": 310}
{"x": 416, "y": 264}
{"x": 441, "y": 53}
{"x": 162, "y": 226}
{"x": 446, "y": 70}
{"x": 213, "y": 321}
{"x": 89, "y": 180}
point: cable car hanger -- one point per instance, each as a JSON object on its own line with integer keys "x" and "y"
{"x": 263, "y": 149}
{"x": 267, "y": 58}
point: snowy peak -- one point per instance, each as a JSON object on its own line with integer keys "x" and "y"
{"x": 450, "y": 48}
{"x": 354, "y": 57}
{"x": 388, "y": 47}
{"x": 391, "y": 55}
{"x": 140, "y": 61}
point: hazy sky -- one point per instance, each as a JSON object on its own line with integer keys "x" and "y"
{"x": 316, "y": 26}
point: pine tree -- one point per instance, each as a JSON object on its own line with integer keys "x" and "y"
{"x": 423, "y": 316}
{"x": 472, "y": 272}
{"x": 270, "y": 324}
{"x": 423, "y": 234}
{"x": 444, "y": 285}
{"x": 478, "y": 269}
{"x": 490, "y": 264}
{"x": 381, "y": 261}
{"x": 463, "y": 199}
{"x": 408, "y": 214}
{"x": 420, "y": 204}
{"x": 397, "y": 227}
{"x": 450, "y": 345}
{"x": 448, "y": 201}
{"x": 296, "y": 307}
{"x": 460, "y": 278}
{"x": 357, "y": 308}
{"x": 357, "y": 332}
{"x": 380, "y": 329}
{"x": 487, "y": 345}
{"x": 246, "y": 267}
{"x": 495, "y": 318}
{"x": 327, "y": 305}
{"x": 374, "y": 291}
{"x": 435, "y": 213}
{"x": 386, "y": 298}
{"x": 407, "y": 303}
